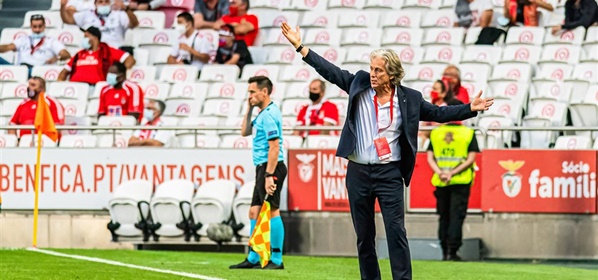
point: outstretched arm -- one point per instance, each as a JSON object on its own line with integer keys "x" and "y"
{"x": 429, "y": 112}
{"x": 329, "y": 71}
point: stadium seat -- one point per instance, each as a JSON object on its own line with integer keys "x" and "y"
{"x": 9, "y": 35}
{"x": 361, "y": 37}
{"x": 404, "y": 19}
{"x": 13, "y": 90}
{"x": 521, "y": 53}
{"x": 292, "y": 142}
{"x": 444, "y": 36}
{"x": 30, "y": 140}
{"x": 70, "y": 90}
{"x": 553, "y": 72}
{"x": 142, "y": 57}
{"x": 53, "y": 19}
{"x": 312, "y": 6}
{"x": 182, "y": 108}
{"x": 171, "y": 209}
{"x": 251, "y": 70}
{"x": 112, "y": 141}
{"x": 236, "y": 141}
{"x": 358, "y": 56}
{"x": 550, "y": 91}
{"x": 590, "y": 53}
{"x": 73, "y": 107}
{"x": 573, "y": 143}
{"x": 573, "y": 37}
{"x": 283, "y": 56}
{"x": 424, "y": 72}
{"x": 116, "y": 122}
{"x": 155, "y": 90}
{"x": 129, "y": 210}
{"x": 419, "y": 5}
{"x": 321, "y": 142}
{"x": 439, "y": 18}
{"x": 13, "y": 73}
{"x": 222, "y": 107}
{"x": 584, "y": 113}
{"x": 78, "y": 141}
{"x": 267, "y": 4}
{"x": 194, "y": 92}
{"x": 273, "y": 37}
{"x": 359, "y": 19}
{"x": 92, "y": 107}
{"x": 511, "y": 72}
{"x": 47, "y": 72}
{"x": 505, "y": 108}
{"x": 475, "y": 72}
{"x": 496, "y": 138}
{"x": 178, "y": 74}
{"x": 472, "y": 35}
{"x": 269, "y": 19}
{"x": 8, "y": 107}
{"x": 241, "y": 205}
{"x": 443, "y": 54}
{"x": 219, "y": 73}
{"x": 297, "y": 73}
{"x": 297, "y": 90}
{"x": 409, "y": 55}
{"x": 382, "y": 5}
{"x": 212, "y": 203}
{"x": 8, "y": 140}
{"x": 402, "y": 36}
{"x": 237, "y": 91}
{"x": 560, "y": 54}
{"x": 345, "y": 6}
{"x": 258, "y": 54}
{"x": 151, "y": 37}
{"x": 424, "y": 88}
{"x": 587, "y": 71}
{"x": 291, "y": 107}
{"x": 201, "y": 141}
{"x": 591, "y": 35}
{"x": 515, "y": 92}
{"x": 68, "y": 36}
{"x": 525, "y": 35}
{"x": 142, "y": 74}
{"x": 150, "y": 19}
{"x": 318, "y": 20}
{"x": 543, "y": 113}
{"x": 322, "y": 37}
{"x": 77, "y": 121}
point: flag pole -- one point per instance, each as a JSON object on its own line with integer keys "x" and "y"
{"x": 36, "y": 186}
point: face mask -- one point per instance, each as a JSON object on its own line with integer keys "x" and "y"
{"x": 314, "y": 96}
{"x": 222, "y": 42}
{"x": 148, "y": 115}
{"x": 111, "y": 79}
{"x": 233, "y": 11}
{"x": 85, "y": 44}
{"x": 180, "y": 28}
{"x": 434, "y": 94}
{"x": 103, "y": 10}
{"x": 37, "y": 35}
{"x": 503, "y": 21}
{"x": 31, "y": 93}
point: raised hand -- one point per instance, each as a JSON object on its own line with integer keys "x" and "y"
{"x": 294, "y": 36}
{"x": 481, "y": 104}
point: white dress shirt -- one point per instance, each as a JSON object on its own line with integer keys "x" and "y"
{"x": 367, "y": 128}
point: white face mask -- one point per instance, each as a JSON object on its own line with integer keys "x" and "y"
{"x": 103, "y": 10}
{"x": 148, "y": 115}
{"x": 180, "y": 28}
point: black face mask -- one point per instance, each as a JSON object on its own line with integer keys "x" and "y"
{"x": 314, "y": 96}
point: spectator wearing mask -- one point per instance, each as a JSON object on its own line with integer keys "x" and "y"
{"x": 36, "y": 49}
{"x": 90, "y": 65}
{"x": 578, "y": 13}
{"x": 230, "y": 50}
{"x": 246, "y": 25}
{"x": 157, "y": 138}
{"x": 120, "y": 97}
{"x": 25, "y": 113}
{"x": 452, "y": 75}
{"x": 473, "y": 13}
{"x": 113, "y": 20}
{"x": 207, "y": 12}
{"x": 524, "y": 12}
{"x": 191, "y": 48}
{"x": 146, "y": 5}
{"x": 320, "y": 113}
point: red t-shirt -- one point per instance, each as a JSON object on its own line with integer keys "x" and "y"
{"x": 317, "y": 114}
{"x": 89, "y": 65}
{"x": 25, "y": 113}
{"x": 121, "y": 102}
{"x": 249, "y": 38}
{"x": 461, "y": 94}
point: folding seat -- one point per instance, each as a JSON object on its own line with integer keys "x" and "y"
{"x": 573, "y": 143}
{"x": 222, "y": 107}
{"x": 309, "y": 5}
{"x": 9, "y": 35}
{"x": 251, "y": 70}
{"x": 409, "y": 55}
{"x": 8, "y": 140}
{"x": 13, "y": 73}
{"x": 550, "y": 91}
{"x": 70, "y": 90}
{"x": 277, "y": 95}
{"x": 543, "y": 113}
{"x": 196, "y": 92}
{"x": 421, "y": 5}
{"x": 511, "y": 72}
{"x": 405, "y": 19}
{"x": 142, "y": 74}
{"x": 344, "y": 6}
{"x": 521, "y": 53}
{"x": 358, "y": 19}
{"x": 199, "y": 122}
{"x": 382, "y": 5}
{"x": 171, "y": 209}
{"x": 142, "y": 57}
{"x": 78, "y": 141}
{"x": 258, "y": 55}
{"x": 553, "y": 72}
{"x": 150, "y": 19}
{"x": 297, "y": 90}
{"x": 505, "y": 108}
{"x": 30, "y": 140}
{"x": 444, "y": 36}
{"x": 114, "y": 121}
{"x": 402, "y": 36}
{"x": 590, "y": 53}
{"x": 292, "y": 142}
{"x": 358, "y": 55}
{"x": 182, "y": 108}
{"x": 9, "y": 57}
{"x": 155, "y": 90}
{"x": 291, "y": 107}
{"x": 241, "y": 205}
{"x": 219, "y": 73}
{"x": 556, "y": 18}
{"x": 9, "y": 107}
{"x": 237, "y": 91}
{"x": 448, "y": 4}
{"x": 321, "y": 142}
{"x": 92, "y": 108}
{"x": 236, "y": 141}
{"x": 53, "y": 19}
{"x": 269, "y": 19}
{"x": 425, "y": 72}
{"x": 591, "y": 35}
{"x": 129, "y": 210}
{"x": 318, "y": 20}
{"x": 174, "y": 7}
{"x": 586, "y": 71}
{"x": 273, "y": 37}
{"x": 178, "y": 73}
{"x": 525, "y": 35}
{"x": 212, "y": 37}
{"x": 560, "y": 54}
{"x": 267, "y": 5}
{"x": 474, "y": 72}
{"x": 322, "y": 37}
{"x": 200, "y": 141}
{"x": 112, "y": 141}
{"x": 439, "y": 19}
{"x": 14, "y": 90}
{"x": 283, "y": 56}
{"x": 297, "y": 73}
{"x": 442, "y": 54}
{"x": 424, "y": 88}
{"x": 573, "y": 37}
{"x": 77, "y": 121}
{"x": 361, "y": 37}
{"x": 73, "y": 107}
{"x": 473, "y": 88}
{"x": 515, "y": 92}
{"x": 584, "y": 113}
{"x": 157, "y": 55}
{"x": 68, "y": 36}
{"x": 496, "y": 138}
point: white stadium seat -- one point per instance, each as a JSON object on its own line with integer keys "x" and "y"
{"x": 283, "y": 56}
{"x": 142, "y": 74}
{"x": 9, "y": 35}
{"x": 182, "y": 108}
{"x": 8, "y": 141}
{"x": 421, "y": 5}
{"x": 178, "y": 73}
{"x": 237, "y": 91}
{"x": 425, "y": 72}
{"x": 497, "y": 138}
{"x": 573, "y": 143}
{"x": 8, "y": 107}
{"x": 358, "y": 55}
{"x": 475, "y": 72}
{"x": 53, "y": 19}
{"x": 110, "y": 141}
{"x": 322, "y": 37}
{"x": 439, "y": 18}
{"x": 73, "y": 107}
{"x": 30, "y": 140}
{"x": 318, "y": 20}
{"x": 561, "y": 54}
{"x": 521, "y": 53}
{"x": 586, "y": 71}
{"x": 297, "y": 90}
{"x": 292, "y": 142}
{"x": 151, "y": 19}
{"x": 359, "y": 19}
{"x": 68, "y": 36}
{"x": 552, "y": 91}
{"x": 47, "y": 72}
{"x": 505, "y": 108}
{"x": 78, "y": 141}
{"x": 321, "y": 142}
{"x": 409, "y": 55}
{"x": 297, "y": 73}
{"x": 171, "y": 209}
{"x": 155, "y": 90}
{"x": 443, "y": 54}
{"x": 219, "y": 73}
{"x": 70, "y": 90}
{"x": 553, "y": 72}
{"x": 512, "y": 71}
{"x": 222, "y": 107}
{"x": 344, "y": 5}
{"x": 129, "y": 208}
{"x": 402, "y": 36}
{"x": 525, "y": 35}
{"x": 13, "y": 73}
{"x": 77, "y": 121}
{"x": 382, "y": 4}
{"x": 11, "y": 90}
{"x": 213, "y": 203}
{"x": 241, "y": 205}
{"x": 404, "y": 19}
{"x": 444, "y": 36}
{"x": 291, "y": 107}
{"x": 361, "y": 37}
{"x": 189, "y": 91}
{"x": 201, "y": 141}
{"x": 312, "y": 5}
{"x": 151, "y": 37}
{"x": 335, "y": 55}
{"x": 574, "y": 37}
{"x": 269, "y": 19}
{"x": 236, "y": 141}
{"x": 270, "y": 71}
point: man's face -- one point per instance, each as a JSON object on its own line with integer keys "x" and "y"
{"x": 92, "y": 39}
{"x": 181, "y": 21}
{"x": 378, "y": 75}
{"x": 256, "y": 95}
{"x": 119, "y": 76}
{"x": 314, "y": 87}
{"x": 38, "y": 26}
{"x": 153, "y": 106}
{"x": 35, "y": 85}
{"x": 437, "y": 87}
{"x": 238, "y": 4}
{"x": 452, "y": 76}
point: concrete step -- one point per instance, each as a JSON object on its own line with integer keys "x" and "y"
{"x": 429, "y": 249}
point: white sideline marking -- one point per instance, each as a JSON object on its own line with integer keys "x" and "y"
{"x": 98, "y": 260}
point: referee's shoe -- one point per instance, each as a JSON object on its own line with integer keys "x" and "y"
{"x": 272, "y": 265}
{"x": 244, "y": 265}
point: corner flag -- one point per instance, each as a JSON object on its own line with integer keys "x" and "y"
{"x": 260, "y": 238}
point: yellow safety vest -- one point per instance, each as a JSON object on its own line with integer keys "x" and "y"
{"x": 450, "y": 144}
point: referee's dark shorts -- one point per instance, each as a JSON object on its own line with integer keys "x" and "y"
{"x": 259, "y": 192}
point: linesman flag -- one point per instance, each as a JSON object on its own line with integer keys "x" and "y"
{"x": 43, "y": 118}
{"x": 260, "y": 238}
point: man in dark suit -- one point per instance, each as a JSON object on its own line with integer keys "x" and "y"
{"x": 379, "y": 139}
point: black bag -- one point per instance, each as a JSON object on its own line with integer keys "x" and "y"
{"x": 489, "y": 35}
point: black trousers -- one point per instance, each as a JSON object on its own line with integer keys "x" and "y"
{"x": 365, "y": 183}
{"x": 451, "y": 206}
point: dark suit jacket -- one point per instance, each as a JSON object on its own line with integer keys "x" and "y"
{"x": 413, "y": 109}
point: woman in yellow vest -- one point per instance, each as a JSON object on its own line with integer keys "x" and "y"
{"x": 451, "y": 155}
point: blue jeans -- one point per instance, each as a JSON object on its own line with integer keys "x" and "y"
{"x": 4, "y": 62}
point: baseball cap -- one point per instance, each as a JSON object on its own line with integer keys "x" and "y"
{"x": 93, "y": 31}
{"x": 227, "y": 30}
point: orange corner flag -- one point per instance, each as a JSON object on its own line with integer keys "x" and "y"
{"x": 43, "y": 118}
{"x": 260, "y": 238}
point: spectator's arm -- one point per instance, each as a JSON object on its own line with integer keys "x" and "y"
{"x": 134, "y": 141}
{"x": 432, "y": 163}
{"x": 129, "y": 62}
{"x": 234, "y": 59}
{"x": 63, "y": 75}
{"x": 200, "y": 23}
{"x": 587, "y": 18}
{"x": 133, "y": 22}
{"x": 486, "y": 18}
{"x": 244, "y": 27}
{"x": 67, "y": 15}
{"x": 64, "y": 55}
{"x": 154, "y": 4}
{"x": 203, "y": 57}
{"x": 173, "y": 60}
{"x": 543, "y": 5}
{"x": 8, "y": 48}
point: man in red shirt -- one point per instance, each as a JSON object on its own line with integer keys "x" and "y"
{"x": 320, "y": 112}
{"x": 90, "y": 65}
{"x": 120, "y": 97}
{"x": 452, "y": 75}
{"x": 246, "y": 25}
{"x": 146, "y": 137}
{"x": 25, "y": 113}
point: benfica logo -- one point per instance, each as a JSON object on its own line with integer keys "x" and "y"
{"x": 306, "y": 168}
{"x": 511, "y": 180}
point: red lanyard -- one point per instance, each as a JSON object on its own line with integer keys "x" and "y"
{"x": 36, "y": 47}
{"x": 101, "y": 18}
{"x": 391, "y": 110}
